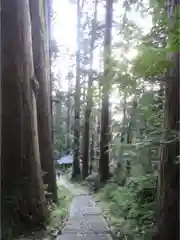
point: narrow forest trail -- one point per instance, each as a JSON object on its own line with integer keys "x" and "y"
{"x": 85, "y": 220}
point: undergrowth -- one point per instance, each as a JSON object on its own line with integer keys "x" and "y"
{"x": 130, "y": 209}
{"x": 55, "y": 218}
{"x": 59, "y": 212}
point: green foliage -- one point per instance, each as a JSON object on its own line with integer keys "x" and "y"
{"x": 131, "y": 208}
{"x": 55, "y": 217}
{"x": 151, "y": 62}
{"x": 93, "y": 181}
{"x": 59, "y": 211}
{"x": 156, "y": 47}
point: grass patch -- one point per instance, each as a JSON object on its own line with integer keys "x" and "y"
{"x": 59, "y": 212}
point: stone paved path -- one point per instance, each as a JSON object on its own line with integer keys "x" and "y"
{"x": 85, "y": 220}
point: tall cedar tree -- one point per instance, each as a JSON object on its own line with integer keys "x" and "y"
{"x": 85, "y": 157}
{"x": 48, "y": 19}
{"x": 104, "y": 137}
{"x": 92, "y": 151}
{"x": 22, "y": 195}
{"x": 98, "y": 125}
{"x": 69, "y": 103}
{"x": 68, "y": 143}
{"x": 40, "y": 56}
{"x": 76, "y": 165}
{"x": 168, "y": 221}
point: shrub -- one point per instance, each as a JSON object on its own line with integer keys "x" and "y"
{"x": 94, "y": 181}
{"x": 134, "y": 205}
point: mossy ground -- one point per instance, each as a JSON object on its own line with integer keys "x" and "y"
{"x": 59, "y": 212}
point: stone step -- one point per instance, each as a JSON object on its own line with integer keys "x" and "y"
{"x": 85, "y": 220}
{"x": 89, "y": 236}
{"x": 88, "y": 223}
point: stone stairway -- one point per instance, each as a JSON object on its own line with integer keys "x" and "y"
{"x": 85, "y": 220}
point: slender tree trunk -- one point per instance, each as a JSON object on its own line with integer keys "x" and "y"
{"x": 48, "y": 16}
{"x": 22, "y": 188}
{"x": 132, "y": 128}
{"x": 68, "y": 120}
{"x": 58, "y": 114}
{"x": 92, "y": 152}
{"x": 58, "y": 122}
{"x": 124, "y": 122}
{"x": 104, "y": 142}
{"x": 69, "y": 109}
{"x": 98, "y": 129}
{"x": 71, "y": 117}
{"x": 43, "y": 98}
{"x": 85, "y": 157}
{"x": 99, "y": 118}
{"x": 76, "y": 166}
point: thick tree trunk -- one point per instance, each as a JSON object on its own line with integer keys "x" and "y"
{"x": 104, "y": 142}
{"x": 85, "y": 157}
{"x": 168, "y": 221}
{"x": 43, "y": 98}
{"x": 22, "y": 188}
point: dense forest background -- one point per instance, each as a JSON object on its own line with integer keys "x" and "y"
{"x": 119, "y": 112}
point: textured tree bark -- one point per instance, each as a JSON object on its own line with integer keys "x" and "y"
{"x": 85, "y": 156}
{"x": 22, "y": 188}
{"x": 48, "y": 18}
{"x": 0, "y": 94}
{"x": 104, "y": 139}
{"x": 92, "y": 152}
{"x": 68, "y": 143}
{"x": 76, "y": 165}
{"x": 98, "y": 129}
{"x": 41, "y": 67}
{"x": 168, "y": 220}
